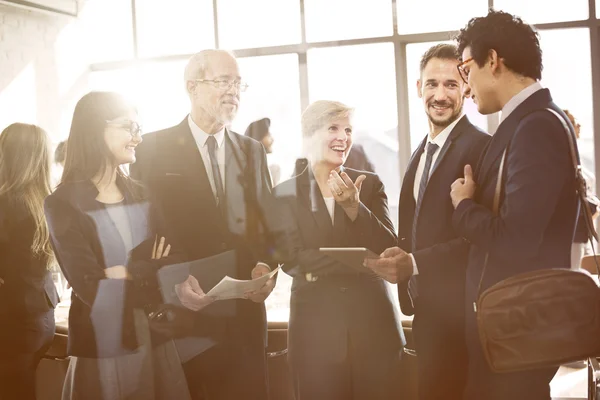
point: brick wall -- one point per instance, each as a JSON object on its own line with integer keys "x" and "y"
{"x": 42, "y": 69}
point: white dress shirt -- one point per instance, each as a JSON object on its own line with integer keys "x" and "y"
{"x": 440, "y": 140}
{"x": 518, "y": 99}
{"x": 330, "y": 204}
{"x": 200, "y": 137}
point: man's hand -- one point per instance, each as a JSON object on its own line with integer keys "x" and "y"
{"x": 393, "y": 265}
{"x": 463, "y": 188}
{"x": 191, "y": 294}
{"x": 261, "y": 295}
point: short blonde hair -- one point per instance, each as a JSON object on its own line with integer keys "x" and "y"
{"x": 322, "y": 112}
{"x": 198, "y": 64}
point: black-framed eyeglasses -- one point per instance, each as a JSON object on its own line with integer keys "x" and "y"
{"x": 225, "y": 84}
{"x": 464, "y": 74}
{"x": 133, "y": 127}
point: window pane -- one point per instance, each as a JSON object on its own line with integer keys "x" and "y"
{"x": 368, "y": 84}
{"x": 258, "y": 23}
{"x": 538, "y": 11}
{"x": 157, "y": 90}
{"x": 185, "y": 26}
{"x": 108, "y": 30}
{"x": 342, "y": 19}
{"x": 274, "y": 93}
{"x": 419, "y": 126}
{"x": 572, "y": 91}
{"x": 418, "y": 17}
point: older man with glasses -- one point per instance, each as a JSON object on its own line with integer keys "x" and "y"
{"x": 210, "y": 182}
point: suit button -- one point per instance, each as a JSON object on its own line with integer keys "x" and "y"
{"x": 401, "y": 239}
{"x": 343, "y": 289}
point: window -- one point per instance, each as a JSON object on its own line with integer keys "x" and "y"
{"x": 571, "y": 82}
{"x": 342, "y": 19}
{"x": 182, "y": 27}
{"x": 419, "y": 125}
{"x": 18, "y": 97}
{"x": 258, "y": 23}
{"x": 436, "y": 15}
{"x": 108, "y": 30}
{"x": 157, "y": 89}
{"x": 274, "y": 93}
{"x": 538, "y": 11}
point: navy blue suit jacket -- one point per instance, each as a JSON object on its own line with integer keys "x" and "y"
{"x": 441, "y": 254}
{"x": 534, "y": 229}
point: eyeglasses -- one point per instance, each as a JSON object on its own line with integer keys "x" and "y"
{"x": 224, "y": 84}
{"x": 464, "y": 74}
{"x": 133, "y": 127}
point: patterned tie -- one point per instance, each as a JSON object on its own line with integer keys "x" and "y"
{"x": 211, "y": 143}
{"x": 431, "y": 149}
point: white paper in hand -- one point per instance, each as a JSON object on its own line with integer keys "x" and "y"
{"x": 230, "y": 288}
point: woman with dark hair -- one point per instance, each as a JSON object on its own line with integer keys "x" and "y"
{"x": 27, "y": 293}
{"x": 104, "y": 233}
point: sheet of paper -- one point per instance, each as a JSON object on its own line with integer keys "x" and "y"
{"x": 230, "y": 288}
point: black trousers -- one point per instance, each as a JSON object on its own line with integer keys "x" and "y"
{"x": 441, "y": 352}
{"x": 23, "y": 343}
{"x": 228, "y": 371}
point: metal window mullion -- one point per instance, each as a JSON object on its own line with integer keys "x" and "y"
{"x": 216, "y": 23}
{"x": 134, "y": 30}
{"x": 404, "y": 144}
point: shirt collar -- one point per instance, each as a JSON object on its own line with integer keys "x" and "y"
{"x": 441, "y": 138}
{"x": 200, "y": 136}
{"x": 518, "y": 99}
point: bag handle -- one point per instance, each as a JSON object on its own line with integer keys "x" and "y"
{"x": 581, "y": 185}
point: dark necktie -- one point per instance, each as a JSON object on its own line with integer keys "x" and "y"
{"x": 211, "y": 143}
{"x": 431, "y": 149}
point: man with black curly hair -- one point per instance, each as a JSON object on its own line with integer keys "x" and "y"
{"x": 502, "y": 66}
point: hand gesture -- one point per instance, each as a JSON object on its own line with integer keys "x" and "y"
{"x": 345, "y": 192}
{"x": 157, "y": 249}
{"x": 463, "y": 188}
{"x": 393, "y": 265}
{"x": 261, "y": 295}
{"x": 191, "y": 295}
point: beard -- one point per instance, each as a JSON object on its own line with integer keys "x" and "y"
{"x": 443, "y": 122}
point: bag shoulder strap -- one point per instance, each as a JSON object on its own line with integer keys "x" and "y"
{"x": 581, "y": 194}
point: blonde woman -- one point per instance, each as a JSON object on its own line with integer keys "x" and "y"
{"x": 27, "y": 293}
{"x": 345, "y": 339}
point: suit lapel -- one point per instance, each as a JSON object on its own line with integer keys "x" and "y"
{"x": 456, "y": 131}
{"x": 312, "y": 200}
{"x": 235, "y": 165}
{"x": 507, "y": 129}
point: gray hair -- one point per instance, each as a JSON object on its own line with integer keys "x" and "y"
{"x": 198, "y": 64}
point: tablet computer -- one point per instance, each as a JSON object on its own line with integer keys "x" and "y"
{"x": 350, "y": 256}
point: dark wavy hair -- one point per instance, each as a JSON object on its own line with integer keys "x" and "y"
{"x": 516, "y": 42}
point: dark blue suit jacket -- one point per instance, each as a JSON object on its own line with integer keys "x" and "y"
{"x": 534, "y": 230}
{"x": 441, "y": 254}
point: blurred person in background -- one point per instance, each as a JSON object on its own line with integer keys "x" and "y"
{"x": 260, "y": 131}
{"x": 27, "y": 292}
{"x": 581, "y": 244}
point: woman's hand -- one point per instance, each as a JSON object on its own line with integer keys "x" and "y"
{"x": 157, "y": 249}
{"x": 345, "y": 192}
